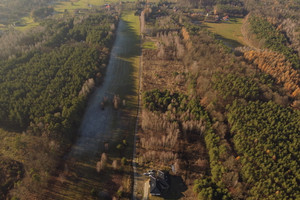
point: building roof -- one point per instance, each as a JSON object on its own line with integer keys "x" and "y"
{"x": 154, "y": 187}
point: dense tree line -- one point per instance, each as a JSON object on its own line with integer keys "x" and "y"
{"x": 266, "y": 136}
{"x": 278, "y": 67}
{"x": 13, "y": 10}
{"x": 163, "y": 101}
{"x": 284, "y": 15}
{"x": 273, "y": 39}
{"x": 218, "y": 78}
{"x": 231, "y": 85}
{"x": 207, "y": 190}
{"x": 42, "y": 13}
{"x": 42, "y": 87}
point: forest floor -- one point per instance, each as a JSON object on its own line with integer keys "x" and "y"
{"x": 102, "y": 131}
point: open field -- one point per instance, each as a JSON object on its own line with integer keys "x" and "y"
{"x": 79, "y": 4}
{"x": 28, "y": 23}
{"x": 229, "y": 32}
{"x": 61, "y": 7}
{"x": 64, "y": 6}
{"x": 2, "y": 26}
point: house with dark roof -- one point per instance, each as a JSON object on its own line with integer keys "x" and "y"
{"x": 155, "y": 190}
{"x": 158, "y": 183}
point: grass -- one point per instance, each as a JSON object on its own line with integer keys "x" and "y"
{"x": 133, "y": 21}
{"x": 229, "y": 31}
{"x": 60, "y": 8}
{"x": 80, "y": 4}
{"x": 85, "y": 178}
{"x": 28, "y": 23}
{"x": 73, "y": 5}
{"x": 149, "y": 45}
{"x": 2, "y": 26}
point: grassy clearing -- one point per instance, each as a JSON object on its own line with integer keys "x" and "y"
{"x": 230, "y": 31}
{"x": 84, "y": 181}
{"x": 2, "y": 26}
{"x": 134, "y": 26}
{"x": 133, "y": 21}
{"x": 28, "y": 23}
{"x": 149, "y": 45}
{"x": 80, "y": 4}
{"x": 61, "y": 7}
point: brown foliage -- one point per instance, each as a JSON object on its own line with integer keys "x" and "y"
{"x": 104, "y": 158}
{"x": 185, "y": 34}
{"x": 278, "y": 67}
{"x": 166, "y": 157}
{"x": 116, "y": 101}
{"x": 115, "y": 164}
{"x": 168, "y": 132}
{"x": 87, "y": 87}
{"x": 101, "y": 165}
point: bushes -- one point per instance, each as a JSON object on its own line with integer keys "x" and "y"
{"x": 207, "y": 190}
{"x": 41, "y": 13}
{"x": 156, "y": 100}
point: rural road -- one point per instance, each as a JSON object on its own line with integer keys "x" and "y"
{"x": 146, "y": 190}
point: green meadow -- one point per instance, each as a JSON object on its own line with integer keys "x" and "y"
{"x": 62, "y": 7}
{"x": 229, "y": 31}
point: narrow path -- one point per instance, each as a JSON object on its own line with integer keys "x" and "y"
{"x": 104, "y": 126}
{"x": 146, "y": 190}
{"x": 134, "y": 158}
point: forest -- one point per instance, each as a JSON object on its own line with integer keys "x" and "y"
{"x": 265, "y": 137}
{"x": 224, "y": 121}
{"x": 45, "y": 86}
{"x": 55, "y": 76}
{"x": 244, "y": 143}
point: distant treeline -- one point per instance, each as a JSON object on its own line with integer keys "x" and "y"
{"x": 13, "y": 10}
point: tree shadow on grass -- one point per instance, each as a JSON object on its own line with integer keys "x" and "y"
{"x": 228, "y": 42}
{"x": 232, "y": 44}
